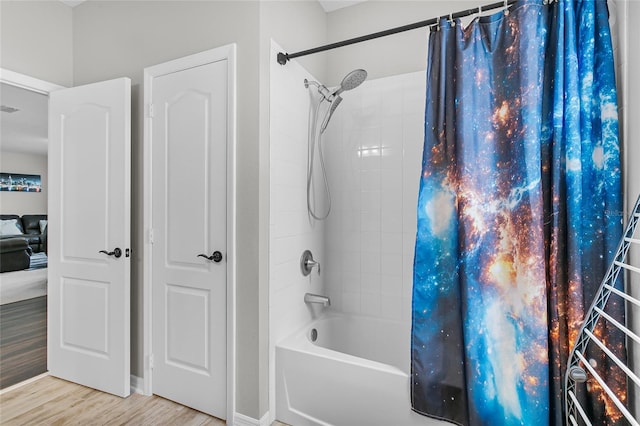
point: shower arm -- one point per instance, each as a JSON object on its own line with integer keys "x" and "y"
{"x": 322, "y": 89}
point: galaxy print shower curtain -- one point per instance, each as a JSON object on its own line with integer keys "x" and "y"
{"x": 519, "y": 212}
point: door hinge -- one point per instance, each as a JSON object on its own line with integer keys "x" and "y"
{"x": 151, "y": 240}
{"x": 151, "y": 361}
{"x": 150, "y": 111}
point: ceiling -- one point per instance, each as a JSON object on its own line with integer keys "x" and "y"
{"x": 24, "y": 130}
{"x": 72, "y": 3}
{"x": 327, "y": 5}
{"x": 331, "y": 5}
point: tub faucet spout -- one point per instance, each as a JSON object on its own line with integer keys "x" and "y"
{"x": 316, "y": 298}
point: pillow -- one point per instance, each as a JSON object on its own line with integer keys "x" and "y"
{"x": 43, "y": 226}
{"x": 9, "y": 227}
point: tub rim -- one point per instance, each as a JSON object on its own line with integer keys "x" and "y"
{"x": 299, "y": 342}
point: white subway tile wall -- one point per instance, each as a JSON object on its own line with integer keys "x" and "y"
{"x": 291, "y": 231}
{"x": 373, "y": 154}
{"x": 373, "y": 151}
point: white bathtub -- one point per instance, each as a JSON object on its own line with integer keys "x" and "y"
{"x": 355, "y": 374}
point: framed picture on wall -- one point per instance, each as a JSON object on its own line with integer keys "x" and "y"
{"x": 18, "y": 182}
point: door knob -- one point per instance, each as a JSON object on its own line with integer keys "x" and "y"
{"x": 216, "y": 256}
{"x": 115, "y": 253}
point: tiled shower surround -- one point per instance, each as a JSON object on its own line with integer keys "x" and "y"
{"x": 291, "y": 231}
{"x": 373, "y": 155}
{"x": 373, "y": 149}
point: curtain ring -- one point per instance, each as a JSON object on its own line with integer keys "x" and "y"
{"x": 506, "y": 7}
{"x": 436, "y": 26}
{"x": 453, "y": 23}
{"x": 479, "y": 10}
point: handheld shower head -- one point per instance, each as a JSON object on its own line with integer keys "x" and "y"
{"x": 352, "y": 80}
{"x": 334, "y": 104}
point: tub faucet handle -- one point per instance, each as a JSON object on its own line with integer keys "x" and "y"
{"x": 312, "y": 263}
{"x": 307, "y": 263}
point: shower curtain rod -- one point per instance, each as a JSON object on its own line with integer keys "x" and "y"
{"x": 283, "y": 58}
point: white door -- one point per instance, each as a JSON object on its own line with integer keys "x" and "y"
{"x": 189, "y": 227}
{"x": 88, "y": 236}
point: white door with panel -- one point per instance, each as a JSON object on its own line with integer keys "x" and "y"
{"x": 88, "y": 235}
{"x": 189, "y": 133}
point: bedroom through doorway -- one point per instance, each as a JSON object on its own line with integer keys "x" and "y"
{"x": 23, "y": 228}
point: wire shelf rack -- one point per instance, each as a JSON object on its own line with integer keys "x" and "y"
{"x": 582, "y": 377}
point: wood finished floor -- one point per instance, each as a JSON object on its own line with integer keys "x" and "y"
{"x": 23, "y": 340}
{"x": 51, "y": 401}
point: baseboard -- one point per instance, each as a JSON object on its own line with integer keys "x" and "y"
{"x": 242, "y": 420}
{"x": 137, "y": 384}
{"x": 26, "y": 382}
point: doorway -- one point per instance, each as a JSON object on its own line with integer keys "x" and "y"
{"x": 87, "y": 315}
{"x": 189, "y": 284}
{"x": 23, "y": 286}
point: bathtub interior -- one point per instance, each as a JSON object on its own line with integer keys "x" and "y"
{"x": 383, "y": 341}
{"x": 348, "y": 376}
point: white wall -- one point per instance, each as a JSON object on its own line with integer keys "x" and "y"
{"x": 24, "y": 202}
{"x": 397, "y": 54}
{"x": 35, "y": 39}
